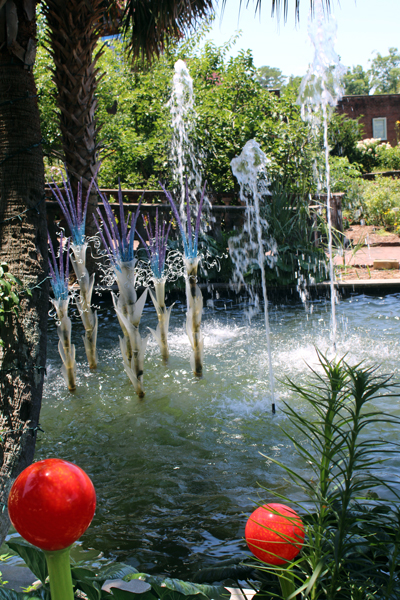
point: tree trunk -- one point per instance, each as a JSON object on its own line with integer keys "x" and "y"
{"x": 23, "y": 245}
{"x": 75, "y": 27}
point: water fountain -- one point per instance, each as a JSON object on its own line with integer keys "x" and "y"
{"x": 254, "y": 243}
{"x": 320, "y": 91}
{"x": 176, "y": 474}
{"x": 185, "y": 160}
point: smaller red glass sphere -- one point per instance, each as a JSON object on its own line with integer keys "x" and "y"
{"x": 52, "y": 503}
{"x": 274, "y": 533}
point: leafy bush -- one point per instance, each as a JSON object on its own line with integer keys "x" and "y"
{"x": 380, "y": 202}
{"x": 368, "y": 154}
{"x": 343, "y": 137}
{"x": 344, "y": 174}
{"x": 89, "y": 580}
{"x": 290, "y": 225}
{"x": 388, "y": 157}
{"x": 135, "y": 124}
{"x": 353, "y": 548}
{"x": 374, "y": 155}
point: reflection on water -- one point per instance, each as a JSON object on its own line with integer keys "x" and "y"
{"x": 177, "y": 473}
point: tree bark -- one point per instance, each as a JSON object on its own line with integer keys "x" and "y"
{"x": 75, "y": 27}
{"x": 23, "y": 245}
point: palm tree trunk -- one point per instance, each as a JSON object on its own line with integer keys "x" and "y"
{"x": 23, "y": 245}
{"x": 74, "y": 29}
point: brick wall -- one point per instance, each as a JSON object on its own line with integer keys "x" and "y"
{"x": 371, "y": 107}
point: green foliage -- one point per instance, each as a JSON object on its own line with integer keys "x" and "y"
{"x": 10, "y": 290}
{"x": 385, "y": 72}
{"x": 47, "y": 91}
{"x": 290, "y": 224}
{"x": 344, "y": 558}
{"x": 270, "y": 78}
{"x": 175, "y": 589}
{"x": 232, "y": 108}
{"x": 356, "y": 81}
{"x": 134, "y": 117}
{"x": 380, "y": 202}
{"x": 368, "y": 157}
{"x": 344, "y": 174}
{"x": 388, "y": 157}
{"x": 383, "y": 77}
{"x": 31, "y": 556}
{"x": 343, "y": 137}
{"x": 352, "y": 545}
{"x": 293, "y": 85}
{"x": 90, "y": 580}
{"x": 374, "y": 155}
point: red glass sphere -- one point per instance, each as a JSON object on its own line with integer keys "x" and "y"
{"x": 274, "y": 533}
{"x": 52, "y": 503}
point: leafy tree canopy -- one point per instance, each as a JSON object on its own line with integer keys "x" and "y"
{"x": 356, "y": 81}
{"x": 270, "y": 77}
{"x": 232, "y": 107}
{"x": 385, "y": 72}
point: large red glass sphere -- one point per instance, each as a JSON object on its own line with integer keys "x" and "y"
{"x": 52, "y": 503}
{"x": 274, "y": 533}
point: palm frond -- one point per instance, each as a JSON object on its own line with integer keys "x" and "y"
{"x": 280, "y": 6}
{"x": 148, "y": 24}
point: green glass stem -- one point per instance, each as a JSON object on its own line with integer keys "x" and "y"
{"x": 58, "y": 564}
{"x": 286, "y": 581}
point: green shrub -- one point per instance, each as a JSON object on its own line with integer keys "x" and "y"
{"x": 381, "y": 202}
{"x": 344, "y": 174}
{"x": 374, "y": 155}
{"x": 343, "y": 137}
{"x": 388, "y": 157}
{"x": 368, "y": 156}
{"x": 352, "y": 549}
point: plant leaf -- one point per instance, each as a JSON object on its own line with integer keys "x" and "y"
{"x": 13, "y": 595}
{"x": 174, "y": 589}
{"x": 34, "y": 558}
{"x": 115, "y": 571}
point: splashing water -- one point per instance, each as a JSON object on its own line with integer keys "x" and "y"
{"x": 320, "y": 91}
{"x": 186, "y": 161}
{"x": 254, "y": 245}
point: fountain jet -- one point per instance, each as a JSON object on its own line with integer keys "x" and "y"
{"x": 253, "y": 245}
{"x": 320, "y": 90}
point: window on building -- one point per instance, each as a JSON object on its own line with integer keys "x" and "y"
{"x": 379, "y": 130}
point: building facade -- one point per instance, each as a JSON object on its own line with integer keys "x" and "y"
{"x": 378, "y": 114}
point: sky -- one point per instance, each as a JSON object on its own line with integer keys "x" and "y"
{"x": 363, "y": 26}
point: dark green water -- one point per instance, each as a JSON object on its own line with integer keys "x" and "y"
{"x": 177, "y": 473}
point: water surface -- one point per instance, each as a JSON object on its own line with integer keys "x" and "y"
{"x": 177, "y": 474}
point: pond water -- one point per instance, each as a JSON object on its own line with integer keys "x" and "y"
{"x": 178, "y": 472}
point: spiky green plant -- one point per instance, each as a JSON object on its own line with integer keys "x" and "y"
{"x": 353, "y": 541}
{"x": 349, "y": 503}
